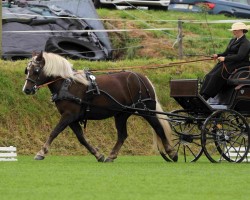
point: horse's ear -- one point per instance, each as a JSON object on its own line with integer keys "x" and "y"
{"x": 34, "y": 53}
{"x": 40, "y": 56}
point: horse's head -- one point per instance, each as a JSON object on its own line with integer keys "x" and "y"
{"x": 34, "y": 72}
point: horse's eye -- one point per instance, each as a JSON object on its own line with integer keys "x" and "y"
{"x": 36, "y": 70}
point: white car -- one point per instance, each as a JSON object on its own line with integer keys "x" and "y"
{"x": 151, "y": 4}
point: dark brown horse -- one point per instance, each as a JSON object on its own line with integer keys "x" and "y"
{"x": 79, "y": 97}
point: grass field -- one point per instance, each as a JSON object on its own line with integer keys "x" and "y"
{"x": 130, "y": 177}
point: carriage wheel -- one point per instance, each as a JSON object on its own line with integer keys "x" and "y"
{"x": 186, "y": 137}
{"x": 225, "y": 136}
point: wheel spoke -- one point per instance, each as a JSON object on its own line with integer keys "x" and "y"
{"x": 187, "y": 136}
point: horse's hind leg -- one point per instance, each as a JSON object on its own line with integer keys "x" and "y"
{"x": 121, "y": 126}
{"x": 77, "y": 129}
{"x": 160, "y": 131}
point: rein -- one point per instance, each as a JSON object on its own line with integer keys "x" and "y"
{"x": 155, "y": 66}
{"x": 224, "y": 67}
{"x": 48, "y": 83}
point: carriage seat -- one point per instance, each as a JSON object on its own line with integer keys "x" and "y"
{"x": 239, "y": 79}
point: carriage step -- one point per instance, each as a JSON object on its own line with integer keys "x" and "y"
{"x": 233, "y": 153}
{"x": 8, "y": 153}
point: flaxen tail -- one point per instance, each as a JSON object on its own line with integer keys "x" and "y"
{"x": 166, "y": 127}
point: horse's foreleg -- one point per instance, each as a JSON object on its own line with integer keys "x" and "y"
{"x": 121, "y": 126}
{"x": 76, "y": 128}
{"x": 63, "y": 123}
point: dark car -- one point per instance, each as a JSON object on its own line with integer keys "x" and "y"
{"x": 184, "y": 5}
{"x": 151, "y": 4}
{"x": 237, "y": 8}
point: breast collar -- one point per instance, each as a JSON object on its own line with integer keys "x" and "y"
{"x": 65, "y": 94}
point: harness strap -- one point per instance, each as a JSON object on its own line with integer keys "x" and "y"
{"x": 93, "y": 87}
{"x": 64, "y": 93}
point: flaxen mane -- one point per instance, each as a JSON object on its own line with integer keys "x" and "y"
{"x": 56, "y": 65}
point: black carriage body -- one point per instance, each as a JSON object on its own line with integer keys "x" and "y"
{"x": 217, "y": 126}
{"x": 186, "y": 93}
{"x": 235, "y": 95}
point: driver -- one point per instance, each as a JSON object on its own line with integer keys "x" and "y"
{"x": 235, "y": 56}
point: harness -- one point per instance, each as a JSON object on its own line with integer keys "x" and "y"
{"x": 92, "y": 91}
{"x": 64, "y": 93}
{"x": 93, "y": 87}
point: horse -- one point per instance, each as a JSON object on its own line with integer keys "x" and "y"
{"x": 80, "y": 96}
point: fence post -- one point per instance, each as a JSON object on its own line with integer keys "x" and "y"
{"x": 180, "y": 39}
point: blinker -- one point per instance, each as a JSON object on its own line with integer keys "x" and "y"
{"x": 36, "y": 70}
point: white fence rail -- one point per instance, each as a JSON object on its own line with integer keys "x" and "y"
{"x": 238, "y": 151}
{"x": 8, "y": 154}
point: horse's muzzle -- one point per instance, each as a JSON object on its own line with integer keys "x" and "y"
{"x": 30, "y": 91}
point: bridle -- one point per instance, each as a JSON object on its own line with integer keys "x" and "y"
{"x": 37, "y": 71}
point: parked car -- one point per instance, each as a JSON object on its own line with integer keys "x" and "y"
{"x": 151, "y": 4}
{"x": 237, "y": 8}
{"x": 184, "y": 6}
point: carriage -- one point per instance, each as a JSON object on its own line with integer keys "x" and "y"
{"x": 218, "y": 127}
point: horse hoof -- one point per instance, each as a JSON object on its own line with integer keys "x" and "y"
{"x": 109, "y": 160}
{"x": 175, "y": 157}
{"x": 39, "y": 157}
{"x": 101, "y": 158}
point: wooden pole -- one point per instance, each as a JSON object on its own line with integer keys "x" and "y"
{"x": 180, "y": 48}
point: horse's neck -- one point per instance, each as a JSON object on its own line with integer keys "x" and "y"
{"x": 67, "y": 84}
{"x": 55, "y": 87}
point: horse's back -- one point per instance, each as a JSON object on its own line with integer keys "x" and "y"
{"x": 126, "y": 86}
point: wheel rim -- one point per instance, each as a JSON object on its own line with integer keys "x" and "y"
{"x": 225, "y": 136}
{"x": 186, "y": 137}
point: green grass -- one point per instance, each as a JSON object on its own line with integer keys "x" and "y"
{"x": 202, "y": 38}
{"x": 129, "y": 177}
